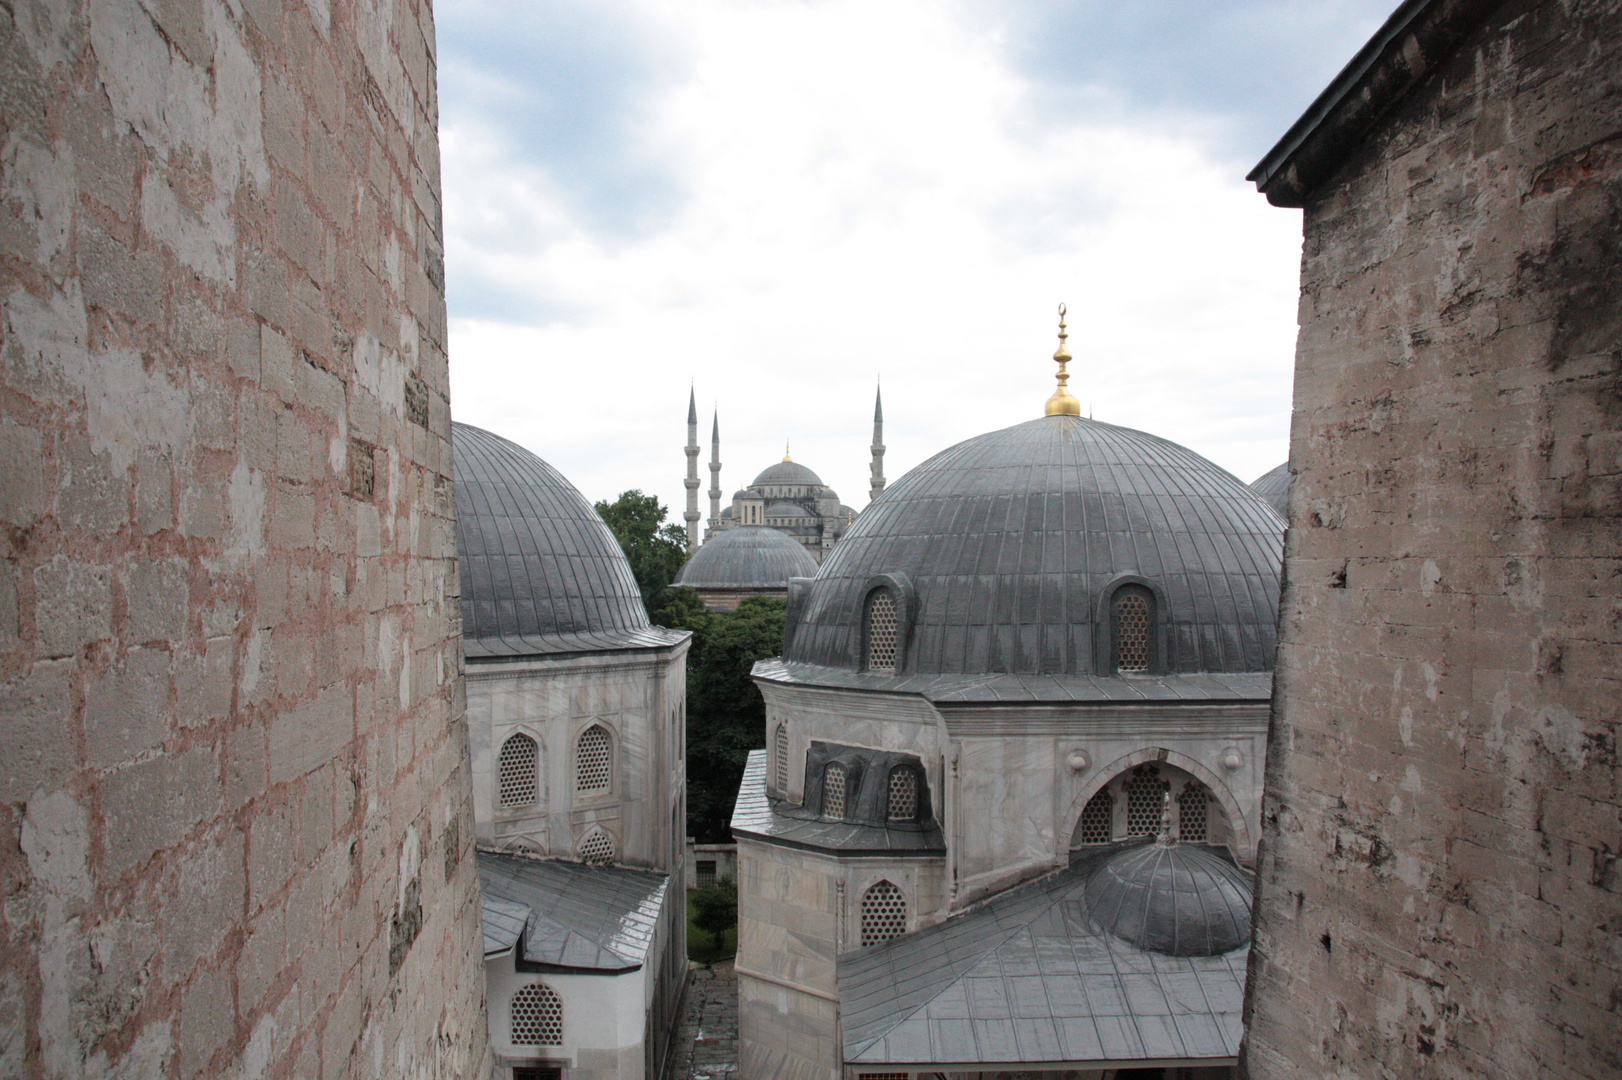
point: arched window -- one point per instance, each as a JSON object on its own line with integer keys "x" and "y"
{"x": 884, "y": 913}
{"x": 537, "y": 1016}
{"x": 903, "y": 800}
{"x": 593, "y": 761}
{"x": 1098, "y": 818}
{"x": 883, "y": 629}
{"x": 1192, "y": 806}
{"x": 1145, "y": 800}
{"x": 780, "y": 748}
{"x": 1132, "y": 628}
{"x": 516, "y": 771}
{"x": 597, "y": 847}
{"x": 833, "y": 791}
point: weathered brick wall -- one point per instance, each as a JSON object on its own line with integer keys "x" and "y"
{"x": 234, "y": 836}
{"x": 1440, "y": 894}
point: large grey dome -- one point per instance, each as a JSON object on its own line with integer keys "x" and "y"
{"x": 1003, "y": 547}
{"x": 787, "y": 474}
{"x": 1274, "y": 487}
{"x": 1178, "y": 899}
{"x": 536, "y": 560}
{"x": 748, "y": 557}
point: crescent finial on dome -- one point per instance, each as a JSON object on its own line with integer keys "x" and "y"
{"x": 1063, "y": 402}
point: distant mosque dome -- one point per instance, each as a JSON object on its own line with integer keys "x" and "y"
{"x": 1274, "y": 488}
{"x": 748, "y": 557}
{"x": 787, "y": 474}
{"x": 1009, "y": 553}
{"x": 1176, "y": 899}
{"x": 786, "y": 510}
{"x": 536, "y": 560}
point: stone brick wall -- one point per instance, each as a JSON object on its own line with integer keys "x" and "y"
{"x": 234, "y": 836}
{"x": 1440, "y": 891}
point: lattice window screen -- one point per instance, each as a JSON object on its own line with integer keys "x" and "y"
{"x": 833, "y": 791}
{"x": 1131, "y": 632}
{"x": 1192, "y": 807}
{"x": 537, "y": 1016}
{"x": 515, "y": 771}
{"x": 1098, "y": 818}
{"x": 781, "y": 747}
{"x": 903, "y": 794}
{"x": 597, "y": 847}
{"x": 884, "y": 913}
{"x": 882, "y": 1076}
{"x": 1145, "y": 800}
{"x": 706, "y": 873}
{"x": 882, "y": 631}
{"x": 593, "y": 761}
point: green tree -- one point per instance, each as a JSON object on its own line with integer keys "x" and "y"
{"x": 715, "y": 910}
{"x": 679, "y": 608}
{"x": 656, "y": 550}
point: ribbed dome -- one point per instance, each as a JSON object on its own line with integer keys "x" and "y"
{"x": 1274, "y": 487}
{"x": 748, "y": 557}
{"x": 1178, "y": 899}
{"x": 1009, "y": 540}
{"x": 786, "y": 509}
{"x": 535, "y": 558}
{"x": 787, "y": 474}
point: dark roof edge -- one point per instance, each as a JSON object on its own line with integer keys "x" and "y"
{"x": 1417, "y": 39}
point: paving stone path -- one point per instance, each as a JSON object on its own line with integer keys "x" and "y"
{"x": 707, "y": 1037}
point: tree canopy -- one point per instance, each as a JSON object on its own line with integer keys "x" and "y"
{"x": 656, "y": 550}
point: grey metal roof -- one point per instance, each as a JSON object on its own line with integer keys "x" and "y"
{"x": 1028, "y": 977}
{"x": 591, "y": 918}
{"x": 748, "y": 557}
{"x": 1274, "y": 487}
{"x": 786, "y": 474}
{"x": 757, "y": 814}
{"x": 1178, "y": 899}
{"x": 1009, "y": 539}
{"x": 540, "y": 571}
{"x": 781, "y": 509}
{"x": 1022, "y": 689}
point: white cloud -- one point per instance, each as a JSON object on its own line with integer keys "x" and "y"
{"x": 864, "y": 191}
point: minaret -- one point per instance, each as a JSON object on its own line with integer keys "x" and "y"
{"x": 1063, "y": 402}
{"x": 715, "y": 476}
{"x": 878, "y": 446}
{"x": 691, "y": 515}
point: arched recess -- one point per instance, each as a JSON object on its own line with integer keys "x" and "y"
{"x": 1214, "y": 783}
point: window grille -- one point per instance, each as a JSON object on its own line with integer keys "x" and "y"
{"x": 903, "y": 794}
{"x": 523, "y": 1072}
{"x": 882, "y": 631}
{"x": 706, "y": 873}
{"x": 884, "y": 913}
{"x": 833, "y": 791}
{"x": 1192, "y": 805}
{"x": 592, "y": 769}
{"x": 1098, "y": 818}
{"x": 515, "y": 771}
{"x": 781, "y": 747}
{"x": 597, "y": 847}
{"x": 1131, "y": 631}
{"x": 882, "y": 1076}
{"x": 537, "y": 1016}
{"x": 1145, "y": 801}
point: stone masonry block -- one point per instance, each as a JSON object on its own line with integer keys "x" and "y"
{"x": 127, "y": 708}
{"x": 73, "y": 605}
{"x": 151, "y": 805}
{"x": 38, "y": 711}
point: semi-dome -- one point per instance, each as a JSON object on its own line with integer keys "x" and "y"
{"x": 536, "y": 560}
{"x": 1274, "y": 488}
{"x": 787, "y": 474}
{"x": 748, "y": 557}
{"x": 1003, "y": 552}
{"x": 1177, "y": 899}
{"x": 786, "y": 510}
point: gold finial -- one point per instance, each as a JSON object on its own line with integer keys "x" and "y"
{"x": 1062, "y": 403}
{"x": 785, "y": 451}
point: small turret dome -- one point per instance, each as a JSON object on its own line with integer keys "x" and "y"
{"x": 748, "y": 557}
{"x": 1177, "y": 899}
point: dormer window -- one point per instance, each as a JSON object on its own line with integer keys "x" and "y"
{"x": 883, "y": 629}
{"x": 833, "y": 791}
{"x": 1132, "y": 629}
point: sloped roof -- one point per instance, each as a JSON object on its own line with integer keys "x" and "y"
{"x": 1029, "y": 978}
{"x": 574, "y": 916}
{"x": 757, "y": 814}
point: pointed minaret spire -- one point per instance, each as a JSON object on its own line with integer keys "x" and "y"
{"x": 1063, "y": 402}
{"x": 692, "y": 516}
{"x": 715, "y": 476}
{"x": 877, "y": 481}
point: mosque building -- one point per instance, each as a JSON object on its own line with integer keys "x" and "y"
{"x": 576, "y": 710}
{"x": 1006, "y": 814}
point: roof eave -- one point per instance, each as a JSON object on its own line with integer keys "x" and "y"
{"x": 1417, "y": 39}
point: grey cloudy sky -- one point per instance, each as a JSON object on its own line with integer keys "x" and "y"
{"x": 780, "y": 201}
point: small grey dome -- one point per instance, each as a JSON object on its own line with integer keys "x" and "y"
{"x": 1008, "y": 543}
{"x": 787, "y": 474}
{"x": 535, "y": 559}
{"x": 1177, "y": 899}
{"x": 786, "y": 510}
{"x": 1274, "y": 487}
{"x": 748, "y": 557}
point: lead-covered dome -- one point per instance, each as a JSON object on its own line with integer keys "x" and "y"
{"x": 1002, "y": 555}
{"x": 748, "y": 557}
{"x": 536, "y": 560}
{"x": 1177, "y": 899}
{"x": 1274, "y": 487}
{"x": 786, "y": 474}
